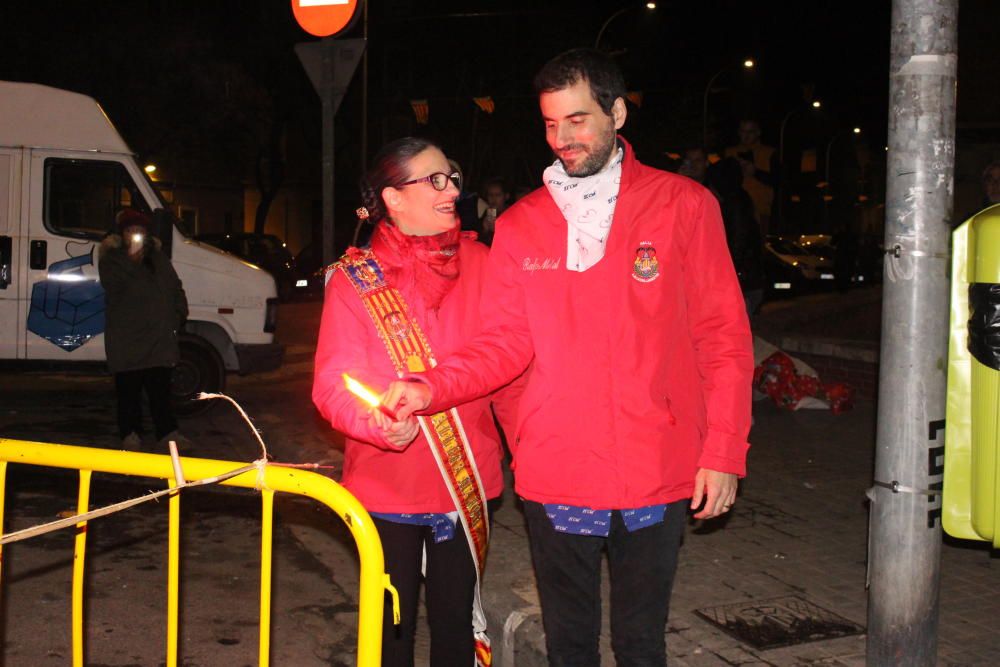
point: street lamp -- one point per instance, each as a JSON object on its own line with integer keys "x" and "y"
{"x": 782, "y": 174}
{"x": 600, "y": 33}
{"x": 827, "y": 196}
{"x": 829, "y": 147}
{"x": 747, "y": 64}
{"x": 815, "y": 104}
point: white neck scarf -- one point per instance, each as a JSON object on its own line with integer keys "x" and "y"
{"x": 588, "y": 205}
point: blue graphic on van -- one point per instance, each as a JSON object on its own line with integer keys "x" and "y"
{"x": 67, "y": 308}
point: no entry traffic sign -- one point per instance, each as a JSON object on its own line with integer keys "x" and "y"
{"x": 325, "y": 17}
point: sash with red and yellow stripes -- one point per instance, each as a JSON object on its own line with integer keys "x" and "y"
{"x": 410, "y": 352}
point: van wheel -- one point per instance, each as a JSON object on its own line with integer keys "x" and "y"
{"x": 200, "y": 369}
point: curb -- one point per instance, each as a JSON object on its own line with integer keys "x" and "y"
{"x": 510, "y": 598}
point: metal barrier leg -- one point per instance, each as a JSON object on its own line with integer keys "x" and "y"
{"x": 79, "y": 555}
{"x": 266, "y": 545}
{"x": 173, "y": 574}
{"x": 3, "y": 495}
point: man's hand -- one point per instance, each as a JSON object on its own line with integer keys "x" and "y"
{"x": 717, "y": 489}
{"x": 406, "y": 397}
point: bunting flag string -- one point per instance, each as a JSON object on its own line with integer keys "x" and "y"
{"x": 486, "y": 104}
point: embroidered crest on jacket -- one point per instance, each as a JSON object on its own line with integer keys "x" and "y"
{"x": 646, "y": 267}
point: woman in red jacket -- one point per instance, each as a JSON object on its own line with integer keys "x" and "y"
{"x": 413, "y": 297}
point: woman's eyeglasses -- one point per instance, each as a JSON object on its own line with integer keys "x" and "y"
{"x": 438, "y": 180}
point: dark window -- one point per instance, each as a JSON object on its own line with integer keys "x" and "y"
{"x": 82, "y": 197}
{"x": 189, "y": 217}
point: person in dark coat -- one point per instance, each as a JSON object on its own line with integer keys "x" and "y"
{"x": 725, "y": 180}
{"x": 145, "y": 309}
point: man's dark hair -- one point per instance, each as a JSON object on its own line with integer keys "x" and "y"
{"x": 598, "y": 69}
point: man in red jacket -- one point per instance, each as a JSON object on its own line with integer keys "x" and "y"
{"x": 615, "y": 278}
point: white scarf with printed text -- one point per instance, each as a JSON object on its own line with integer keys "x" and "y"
{"x": 588, "y": 205}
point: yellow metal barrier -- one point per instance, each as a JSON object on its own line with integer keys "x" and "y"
{"x": 373, "y": 580}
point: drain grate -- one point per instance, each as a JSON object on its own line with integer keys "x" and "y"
{"x": 778, "y": 622}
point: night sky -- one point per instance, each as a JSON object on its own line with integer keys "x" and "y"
{"x": 211, "y": 83}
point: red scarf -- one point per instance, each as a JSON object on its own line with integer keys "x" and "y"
{"x": 423, "y": 268}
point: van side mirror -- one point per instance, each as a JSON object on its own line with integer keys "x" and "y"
{"x": 6, "y": 261}
{"x": 163, "y": 227}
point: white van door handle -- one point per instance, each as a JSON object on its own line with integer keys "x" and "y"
{"x": 6, "y": 261}
{"x": 38, "y": 255}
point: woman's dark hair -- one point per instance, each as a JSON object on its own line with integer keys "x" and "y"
{"x": 389, "y": 169}
{"x": 590, "y": 65}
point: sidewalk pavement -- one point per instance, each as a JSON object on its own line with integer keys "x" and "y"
{"x": 848, "y": 318}
{"x": 797, "y": 535}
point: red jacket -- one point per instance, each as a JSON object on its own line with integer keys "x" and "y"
{"x": 635, "y": 385}
{"x": 382, "y": 478}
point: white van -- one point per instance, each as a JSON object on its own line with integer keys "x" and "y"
{"x": 64, "y": 173}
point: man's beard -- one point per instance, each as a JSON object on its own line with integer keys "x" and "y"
{"x": 595, "y": 161}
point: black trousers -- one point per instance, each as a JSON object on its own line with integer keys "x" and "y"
{"x": 449, "y": 592}
{"x": 129, "y": 387}
{"x": 568, "y": 572}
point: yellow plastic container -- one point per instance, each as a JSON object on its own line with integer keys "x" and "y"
{"x": 971, "y": 503}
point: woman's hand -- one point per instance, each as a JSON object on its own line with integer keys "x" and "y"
{"x": 399, "y": 434}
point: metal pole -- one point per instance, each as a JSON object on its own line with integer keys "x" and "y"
{"x": 364, "y": 98}
{"x": 600, "y": 33}
{"x": 747, "y": 64}
{"x": 704, "y": 109}
{"x": 604, "y": 26}
{"x": 782, "y": 172}
{"x": 326, "y": 120}
{"x": 826, "y": 167}
{"x": 827, "y": 189}
{"x": 905, "y": 535}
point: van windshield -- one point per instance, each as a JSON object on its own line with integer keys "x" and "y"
{"x": 179, "y": 224}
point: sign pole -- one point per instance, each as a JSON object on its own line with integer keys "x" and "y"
{"x": 364, "y": 97}
{"x": 326, "y": 19}
{"x": 327, "y": 121}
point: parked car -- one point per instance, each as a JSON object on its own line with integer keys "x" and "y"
{"x": 790, "y": 268}
{"x": 862, "y": 263}
{"x": 311, "y": 280}
{"x": 264, "y": 250}
{"x": 817, "y": 244}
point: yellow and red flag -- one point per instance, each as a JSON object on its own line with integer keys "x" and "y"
{"x": 422, "y": 110}
{"x": 485, "y": 103}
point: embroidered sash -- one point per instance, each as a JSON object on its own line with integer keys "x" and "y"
{"x": 410, "y": 352}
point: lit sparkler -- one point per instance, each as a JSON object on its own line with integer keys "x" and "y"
{"x": 367, "y": 395}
